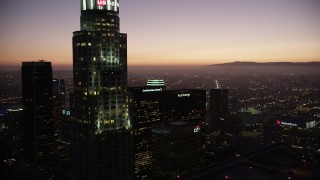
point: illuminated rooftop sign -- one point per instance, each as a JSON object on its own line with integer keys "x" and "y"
{"x": 155, "y": 82}
{"x": 14, "y": 110}
{"x": 286, "y": 123}
{"x": 152, "y": 90}
{"x": 196, "y": 129}
{"x": 184, "y": 95}
{"x": 289, "y": 124}
{"x": 102, "y": 2}
{"x": 111, "y": 5}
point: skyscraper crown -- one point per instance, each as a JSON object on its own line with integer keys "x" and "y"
{"x": 111, "y": 5}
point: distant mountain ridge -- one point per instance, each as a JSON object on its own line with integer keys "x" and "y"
{"x": 283, "y": 64}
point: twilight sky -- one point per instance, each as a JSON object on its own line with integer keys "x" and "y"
{"x": 169, "y": 32}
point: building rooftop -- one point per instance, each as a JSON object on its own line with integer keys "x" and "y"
{"x": 279, "y": 161}
{"x": 155, "y": 82}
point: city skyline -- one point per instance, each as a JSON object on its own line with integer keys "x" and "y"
{"x": 163, "y": 33}
{"x": 173, "y": 114}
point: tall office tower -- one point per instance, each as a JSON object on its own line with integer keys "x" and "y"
{"x": 59, "y": 89}
{"x": 102, "y": 138}
{"x": 63, "y": 147}
{"x": 218, "y": 108}
{"x": 59, "y": 101}
{"x": 145, "y": 111}
{"x": 38, "y": 139}
{"x": 62, "y": 152}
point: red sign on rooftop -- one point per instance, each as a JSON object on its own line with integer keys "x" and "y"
{"x": 102, "y": 2}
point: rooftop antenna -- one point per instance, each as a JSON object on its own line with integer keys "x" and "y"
{"x": 217, "y": 85}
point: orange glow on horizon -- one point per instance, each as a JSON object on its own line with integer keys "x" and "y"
{"x": 216, "y": 32}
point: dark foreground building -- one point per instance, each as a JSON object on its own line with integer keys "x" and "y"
{"x": 186, "y": 105}
{"x": 176, "y": 149}
{"x": 276, "y": 162}
{"x": 38, "y": 125}
{"x": 102, "y": 139}
{"x": 59, "y": 103}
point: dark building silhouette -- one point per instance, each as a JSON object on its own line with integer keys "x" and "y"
{"x": 59, "y": 89}
{"x": 102, "y": 137}
{"x": 188, "y": 105}
{"x": 176, "y": 149}
{"x": 59, "y": 104}
{"x": 153, "y": 104}
{"x": 218, "y": 108}
{"x": 61, "y": 123}
{"x": 38, "y": 136}
{"x": 2, "y": 124}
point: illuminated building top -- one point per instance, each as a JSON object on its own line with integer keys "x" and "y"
{"x": 304, "y": 123}
{"x": 155, "y": 82}
{"x": 101, "y": 127}
{"x": 111, "y": 5}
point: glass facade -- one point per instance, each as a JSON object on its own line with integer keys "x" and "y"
{"x": 101, "y": 124}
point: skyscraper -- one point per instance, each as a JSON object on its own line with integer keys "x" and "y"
{"x": 62, "y": 127}
{"x": 59, "y": 103}
{"x": 102, "y": 139}
{"x": 145, "y": 112}
{"x": 218, "y": 108}
{"x": 38, "y": 136}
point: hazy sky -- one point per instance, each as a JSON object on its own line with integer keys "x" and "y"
{"x": 169, "y": 32}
